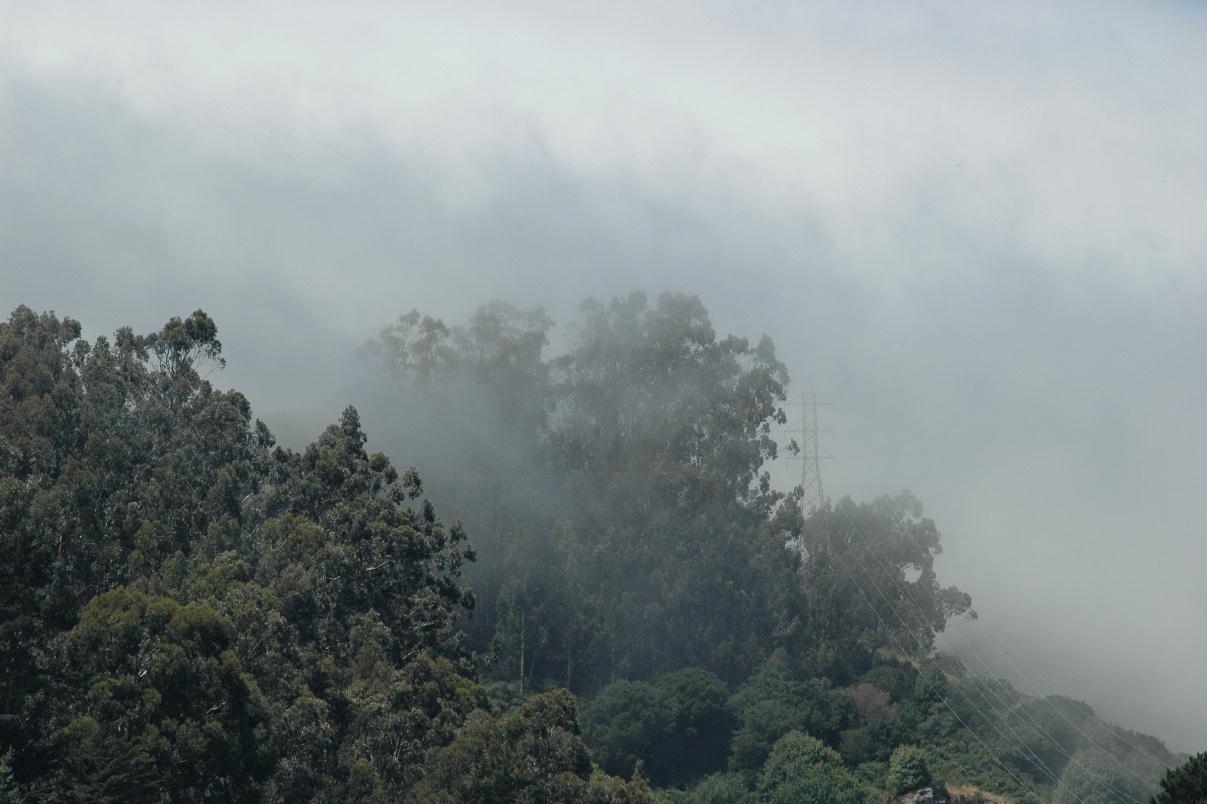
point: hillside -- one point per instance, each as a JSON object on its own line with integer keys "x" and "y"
{"x": 613, "y": 604}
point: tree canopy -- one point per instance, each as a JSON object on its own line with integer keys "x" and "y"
{"x": 1185, "y": 784}
{"x": 190, "y": 611}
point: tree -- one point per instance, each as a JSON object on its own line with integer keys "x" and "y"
{"x": 893, "y": 545}
{"x": 533, "y": 754}
{"x": 641, "y": 488}
{"x": 907, "y": 769}
{"x": 630, "y": 722}
{"x": 10, "y": 791}
{"x": 519, "y": 632}
{"x": 1186, "y": 784}
{"x": 116, "y": 459}
{"x": 775, "y": 702}
{"x": 702, "y": 726}
{"x": 677, "y": 727}
{"x": 803, "y": 770}
{"x": 154, "y": 704}
{"x": 190, "y": 611}
{"x": 721, "y": 788}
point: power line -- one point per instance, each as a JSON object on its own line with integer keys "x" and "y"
{"x": 813, "y": 499}
{"x": 1114, "y": 730}
{"x": 1016, "y": 741}
{"x": 989, "y": 751}
{"x": 1033, "y": 722}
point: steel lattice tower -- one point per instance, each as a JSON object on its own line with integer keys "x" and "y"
{"x": 810, "y": 456}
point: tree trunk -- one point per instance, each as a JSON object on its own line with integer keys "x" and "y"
{"x": 569, "y": 646}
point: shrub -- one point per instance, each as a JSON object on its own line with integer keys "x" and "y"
{"x": 907, "y": 769}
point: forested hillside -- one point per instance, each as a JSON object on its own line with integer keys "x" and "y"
{"x": 617, "y": 605}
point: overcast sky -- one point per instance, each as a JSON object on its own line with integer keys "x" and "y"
{"x": 980, "y": 230}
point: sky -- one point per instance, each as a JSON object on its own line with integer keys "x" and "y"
{"x": 976, "y": 229}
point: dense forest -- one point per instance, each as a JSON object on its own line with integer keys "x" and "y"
{"x": 613, "y": 604}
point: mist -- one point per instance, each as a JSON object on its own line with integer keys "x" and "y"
{"x": 977, "y": 234}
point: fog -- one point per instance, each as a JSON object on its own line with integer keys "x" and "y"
{"x": 977, "y": 232}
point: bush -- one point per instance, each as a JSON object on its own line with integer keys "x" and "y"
{"x": 720, "y": 788}
{"x": 801, "y": 770}
{"x": 773, "y": 702}
{"x": 679, "y": 726}
{"x": 907, "y": 769}
{"x": 894, "y": 677}
{"x": 857, "y": 746}
{"x": 531, "y": 754}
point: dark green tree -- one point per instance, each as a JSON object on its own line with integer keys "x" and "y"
{"x": 1185, "y": 784}
{"x": 152, "y": 703}
{"x": 627, "y": 723}
{"x": 534, "y": 754}
{"x": 703, "y": 724}
{"x": 677, "y": 727}
{"x": 859, "y": 554}
{"x": 774, "y": 702}
{"x": 191, "y": 612}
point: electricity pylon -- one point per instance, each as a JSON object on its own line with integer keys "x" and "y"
{"x": 810, "y": 430}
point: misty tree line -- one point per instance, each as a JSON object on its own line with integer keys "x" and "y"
{"x": 624, "y": 608}
{"x": 630, "y": 525}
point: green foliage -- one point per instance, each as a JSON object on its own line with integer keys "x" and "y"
{"x": 773, "y": 702}
{"x": 720, "y": 788}
{"x": 532, "y": 754}
{"x": 703, "y": 724}
{"x": 895, "y": 677}
{"x": 907, "y": 769}
{"x": 1186, "y": 784}
{"x": 678, "y": 727}
{"x": 119, "y": 464}
{"x": 519, "y": 635}
{"x": 930, "y": 686}
{"x": 190, "y": 613}
{"x": 802, "y": 769}
{"x": 10, "y": 791}
{"x": 630, "y": 530}
{"x": 629, "y": 525}
{"x": 895, "y": 545}
{"x": 156, "y": 704}
{"x": 954, "y": 759}
{"x": 628, "y": 722}
{"x": 873, "y": 774}
{"x": 1046, "y": 735}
